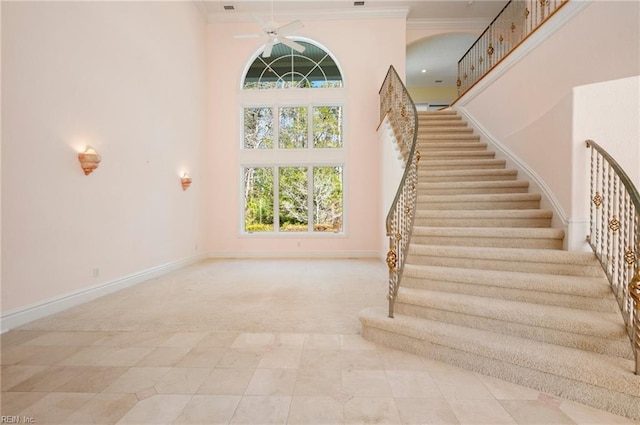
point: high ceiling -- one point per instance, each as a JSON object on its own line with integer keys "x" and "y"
{"x": 417, "y": 10}
{"x": 438, "y": 56}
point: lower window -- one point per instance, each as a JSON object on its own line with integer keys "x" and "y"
{"x": 293, "y": 199}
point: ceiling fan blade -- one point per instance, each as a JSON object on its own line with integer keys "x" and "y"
{"x": 265, "y": 27}
{"x": 268, "y": 48}
{"x": 245, "y": 36}
{"x": 295, "y": 46}
{"x": 291, "y": 26}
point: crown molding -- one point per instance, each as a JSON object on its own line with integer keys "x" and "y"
{"x": 313, "y": 15}
{"x": 478, "y": 24}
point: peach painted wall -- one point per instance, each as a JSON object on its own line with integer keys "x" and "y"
{"x": 364, "y": 49}
{"x": 128, "y": 78}
{"x": 529, "y": 108}
{"x": 609, "y": 114}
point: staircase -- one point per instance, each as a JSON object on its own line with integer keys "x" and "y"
{"x": 487, "y": 286}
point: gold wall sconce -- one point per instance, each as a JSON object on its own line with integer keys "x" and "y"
{"x": 89, "y": 160}
{"x": 185, "y": 180}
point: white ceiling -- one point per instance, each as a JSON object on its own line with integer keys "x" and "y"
{"x": 438, "y": 55}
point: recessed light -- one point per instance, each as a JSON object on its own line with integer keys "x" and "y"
{"x": 358, "y": 3}
{"x": 229, "y": 7}
{"x": 423, "y": 71}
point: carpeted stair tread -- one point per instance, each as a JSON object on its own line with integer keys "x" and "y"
{"x": 452, "y": 129}
{"x": 497, "y": 173}
{"x": 599, "y": 324}
{"x": 546, "y": 261}
{"x": 446, "y": 137}
{"x": 426, "y": 148}
{"x": 426, "y": 123}
{"x": 460, "y": 164}
{"x": 489, "y": 232}
{"x": 602, "y": 381}
{"x": 531, "y": 322}
{"x": 459, "y": 155}
{"x": 484, "y": 218}
{"x": 487, "y": 289}
{"x": 497, "y": 201}
{"x": 597, "y": 287}
{"x": 469, "y": 187}
{"x": 446, "y": 112}
{"x": 541, "y": 238}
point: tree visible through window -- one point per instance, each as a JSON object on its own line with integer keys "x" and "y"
{"x": 289, "y": 186}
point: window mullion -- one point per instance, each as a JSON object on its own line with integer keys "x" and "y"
{"x": 276, "y": 127}
{"x": 276, "y": 199}
{"x": 310, "y": 199}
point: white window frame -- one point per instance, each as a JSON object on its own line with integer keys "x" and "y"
{"x": 304, "y": 157}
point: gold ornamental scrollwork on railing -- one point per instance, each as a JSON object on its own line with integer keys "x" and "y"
{"x": 616, "y": 241}
{"x": 515, "y": 22}
{"x": 597, "y": 199}
{"x": 629, "y": 256}
{"x": 396, "y": 102}
{"x": 392, "y": 260}
{"x": 614, "y": 224}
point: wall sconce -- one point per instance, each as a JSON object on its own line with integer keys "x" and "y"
{"x": 186, "y": 181}
{"x": 89, "y": 160}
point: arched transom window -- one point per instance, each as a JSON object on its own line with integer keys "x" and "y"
{"x": 291, "y": 152}
{"x": 286, "y": 68}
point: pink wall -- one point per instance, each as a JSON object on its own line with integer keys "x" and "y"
{"x": 529, "y": 108}
{"x": 128, "y": 78}
{"x": 364, "y": 49}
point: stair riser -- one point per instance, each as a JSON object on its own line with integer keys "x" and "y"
{"x": 425, "y": 190}
{"x": 453, "y": 131}
{"x": 505, "y": 265}
{"x": 496, "y": 205}
{"x": 612, "y": 347}
{"x": 482, "y": 222}
{"x": 581, "y": 286}
{"x": 613, "y": 401}
{"x": 487, "y": 176}
{"x": 601, "y": 304}
{"x": 506, "y": 242}
{"x": 454, "y": 165}
{"x": 441, "y": 123}
{"x": 426, "y": 148}
{"x": 446, "y": 138}
{"x": 457, "y": 156}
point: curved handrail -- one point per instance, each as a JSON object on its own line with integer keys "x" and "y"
{"x": 624, "y": 177}
{"x": 614, "y": 235}
{"x": 397, "y": 103}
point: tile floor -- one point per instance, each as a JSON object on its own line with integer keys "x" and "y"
{"x": 76, "y": 377}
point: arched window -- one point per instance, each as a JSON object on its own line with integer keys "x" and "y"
{"x": 291, "y": 153}
{"x": 286, "y": 68}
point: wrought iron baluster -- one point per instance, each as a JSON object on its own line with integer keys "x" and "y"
{"x": 515, "y": 22}
{"x": 617, "y": 212}
{"x": 397, "y": 103}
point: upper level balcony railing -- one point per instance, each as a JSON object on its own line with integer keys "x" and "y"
{"x": 517, "y": 20}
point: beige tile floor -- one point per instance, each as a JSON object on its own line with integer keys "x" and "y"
{"x": 286, "y": 351}
{"x": 73, "y": 377}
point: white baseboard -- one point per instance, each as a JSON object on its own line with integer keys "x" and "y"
{"x": 24, "y": 315}
{"x": 293, "y": 254}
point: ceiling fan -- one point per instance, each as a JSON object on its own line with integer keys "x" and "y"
{"x": 275, "y": 35}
